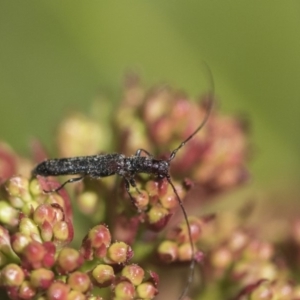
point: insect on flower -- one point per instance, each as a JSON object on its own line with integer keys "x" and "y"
{"x": 103, "y": 165}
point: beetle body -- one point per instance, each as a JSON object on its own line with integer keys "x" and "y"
{"x": 98, "y": 166}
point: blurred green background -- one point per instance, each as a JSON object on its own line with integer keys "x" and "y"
{"x": 57, "y": 55}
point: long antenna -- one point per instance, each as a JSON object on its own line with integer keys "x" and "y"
{"x": 193, "y": 261}
{"x": 209, "y": 109}
{"x": 172, "y": 156}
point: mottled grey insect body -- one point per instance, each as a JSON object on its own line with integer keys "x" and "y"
{"x": 98, "y": 166}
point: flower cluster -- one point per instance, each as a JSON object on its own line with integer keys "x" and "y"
{"x": 43, "y": 254}
{"x": 245, "y": 264}
{"x": 37, "y": 260}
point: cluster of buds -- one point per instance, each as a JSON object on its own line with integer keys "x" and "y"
{"x": 37, "y": 261}
{"x": 249, "y": 265}
{"x": 177, "y": 246}
{"x": 161, "y": 118}
{"x": 36, "y": 258}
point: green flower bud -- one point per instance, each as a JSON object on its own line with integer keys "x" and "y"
{"x": 18, "y": 187}
{"x": 118, "y": 252}
{"x": 8, "y": 214}
{"x": 29, "y": 228}
{"x": 103, "y": 274}
{"x": 133, "y": 273}
{"x": 76, "y": 295}
{"x": 35, "y": 188}
{"x": 61, "y": 231}
{"x": 168, "y": 251}
{"x": 19, "y": 241}
{"x": 41, "y": 278}
{"x": 158, "y": 217}
{"x": 87, "y": 202}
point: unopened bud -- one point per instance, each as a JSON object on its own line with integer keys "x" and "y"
{"x": 76, "y": 295}
{"x": 61, "y": 231}
{"x": 58, "y": 290}
{"x": 68, "y": 260}
{"x": 185, "y": 252}
{"x": 12, "y": 275}
{"x": 26, "y": 291}
{"x": 41, "y": 278}
{"x": 119, "y": 252}
{"x": 8, "y": 214}
{"x": 168, "y": 251}
{"x": 79, "y": 281}
{"x": 146, "y": 290}
{"x": 29, "y": 228}
{"x": 158, "y": 217}
{"x": 18, "y": 187}
{"x": 99, "y": 235}
{"x": 134, "y": 273}
{"x": 103, "y": 274}
{"x": 124, "y": 290}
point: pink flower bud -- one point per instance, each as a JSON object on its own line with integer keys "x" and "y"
{"x": 68, "y": 260}
{"x": 99, "y": 235}
{"x": 124, "y": 290}
{"x": 34, "y": 254}
{"x": 58, "y": 291}
{"x": 79, "y": 281}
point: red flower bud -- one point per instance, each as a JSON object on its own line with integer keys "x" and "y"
{"x": 58, "y": 291}
{"x": 34, "y": 254}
